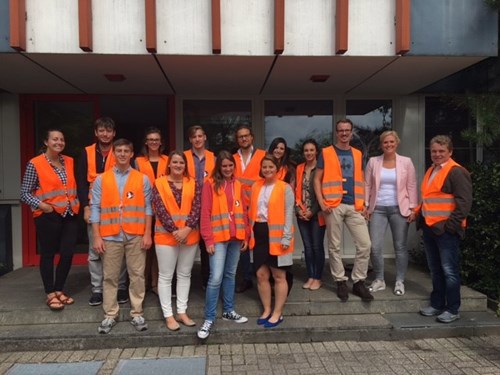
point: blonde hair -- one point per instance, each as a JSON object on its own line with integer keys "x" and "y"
{"x": 388, "y": 133}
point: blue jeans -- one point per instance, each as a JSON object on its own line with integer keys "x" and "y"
{"x": 223, "y": 264}
{"x": 380, "y": 219}
{"x": 443, "y": 258}
{"x": 313, "y": 236}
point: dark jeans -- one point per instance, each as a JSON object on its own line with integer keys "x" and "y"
{"x": 313, "y": 236}
{"x": 246, "y": 268}
{"x": 56, "y": 234}
{"x": 205, "y": 263}
{"x": 443, "y": 258}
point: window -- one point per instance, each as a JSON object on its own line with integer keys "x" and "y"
{"x": 298, "y": 120}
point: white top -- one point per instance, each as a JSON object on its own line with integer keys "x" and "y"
{"x": 387, "y": 193}
{"x": 263, "y": 202}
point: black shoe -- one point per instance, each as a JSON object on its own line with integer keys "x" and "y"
{"x": 95, "y": 299}
{"x": 244, "y": 285}
{"x": 342, "y": 291}
{"x": 122, "y": 296}
{"x": 359, "y": 289}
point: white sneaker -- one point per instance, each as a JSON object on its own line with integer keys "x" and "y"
{"x": 106, "y": 325}
{"x": 399, "y": 288}
{"x": 139, "y": 323}
{"x": 377, "y": 285}
{"x": 204, "y": 331}
{"x": 233, "y": 316}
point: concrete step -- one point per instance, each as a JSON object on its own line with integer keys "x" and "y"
{"x": 365, "y": 327}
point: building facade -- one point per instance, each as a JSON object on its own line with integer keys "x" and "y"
{"x": 289, "y": 68}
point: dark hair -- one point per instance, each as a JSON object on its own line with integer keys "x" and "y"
{"x": 46, "y": 137}
{"x": 285, "y": 161}
{"x": 243, "y": 126}
{"x": 123, "y": 142}
{"x": 442, "y": 140}
{"x": 104, "y": 122}
{"x": 145, "y": 148}
{"x": 310, "y": 141}
{"x": 344, "y": 121}
{"x": 216, "y": 173}
{"x": 181, "y": 154}
{"x": 270, "y": 158}
{"x": 193, "y": 129}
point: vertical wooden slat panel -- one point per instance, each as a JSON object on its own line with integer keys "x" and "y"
{"x": 279, "y": 26}
{"x": 341, "y": 26}
{"x": 216, "y": 28}
{"x": 85, "y": 24}
{"x": 17, "y": 14}
{"x": 403, "y": 38}
{"x": 151, "y": 25}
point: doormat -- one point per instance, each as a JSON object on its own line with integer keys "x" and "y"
{"x": 80, "y": 368}
{"x": 170, "y": 366}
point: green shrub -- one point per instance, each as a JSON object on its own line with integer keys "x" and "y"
{"x": 480, "y": 249}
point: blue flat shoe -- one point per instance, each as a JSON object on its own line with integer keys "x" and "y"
{"x": 268, "y": 324}
{"x": 262, "y": 321}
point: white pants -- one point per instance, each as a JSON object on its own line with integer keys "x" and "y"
{"x": 174, "y": 258}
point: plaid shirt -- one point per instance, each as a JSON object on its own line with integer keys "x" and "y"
{"x": 31, "y": 183}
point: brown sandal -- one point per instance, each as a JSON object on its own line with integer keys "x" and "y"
{"x": 54, "y": 303}
{"x": 65, "y": 300}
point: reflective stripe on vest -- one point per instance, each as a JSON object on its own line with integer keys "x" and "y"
{"x": 179, "y": 214}
{"x": 92, "y": 166}
{"x": 251, "y": 173}
{"x": 144, "y": 166}
{"x": 128, "y": 212}
{"x": 220, "y": 218}
{"x": 275, "y": 216}
{"x": 51, "y": 189}
{"x": 436, "y": 205}
{"x": 331, "y": 185}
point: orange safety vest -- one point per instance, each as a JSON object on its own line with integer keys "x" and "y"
{"x": 209, "y": 164}
{"x": 127, "y": 212}
{"x": 51, "y": 189}
{"x": 91, "y": 163}
{"x": 331, "y": 186}
{"x": 220, "y": 217}
{"x": 251, "y": 173}
{"x": 145, "y": 167}
{"x": 298, "y": 193}
{"x": 275, "y": 216}
{"x": 282, "y": 173}
{"x": 436, "y": 205}
{"x": 179, "y": 214}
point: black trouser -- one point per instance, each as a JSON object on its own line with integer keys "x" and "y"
{"x": 205, "y": 263}
{"x": 55, "y": 234}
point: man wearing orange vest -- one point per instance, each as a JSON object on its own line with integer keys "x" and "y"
{"x": 339, "y": 187}
{"x": 446, "y": 202}
{"x": 247, "y": 171}
{"x": 121, "y": 217}
{"x": 200, "y": 164}
{"x": 94, "y": 160}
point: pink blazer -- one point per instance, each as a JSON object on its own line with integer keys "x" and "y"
{"x": 406, "y": 183}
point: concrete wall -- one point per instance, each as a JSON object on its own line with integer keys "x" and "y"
{"x": 458, "y": 27}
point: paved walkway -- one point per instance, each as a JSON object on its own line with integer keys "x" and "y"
{"x": 475, "y": 355}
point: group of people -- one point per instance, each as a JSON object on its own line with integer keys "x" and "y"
{"x": 147, "y": 216}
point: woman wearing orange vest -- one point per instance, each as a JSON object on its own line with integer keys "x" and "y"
{"x": 446, "y": 202}
{"x": 153, "y": 164}
{"x": 271, "y": 220}
{"x": 224, "y": 228}
{"x": 176, "y": 202}
{"x": 279, "y": 149}
{"x": 311, "y": 224}
{"x": 49, "y": 188}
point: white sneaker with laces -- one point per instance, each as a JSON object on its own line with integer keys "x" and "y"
{"x": 204, "y": 331}
{"x": 233, "y": 316}
{"x": 377, "y": 285}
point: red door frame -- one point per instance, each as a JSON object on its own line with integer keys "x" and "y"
{"x": 27, "y": 133}
{"x": 27, "y": 145}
